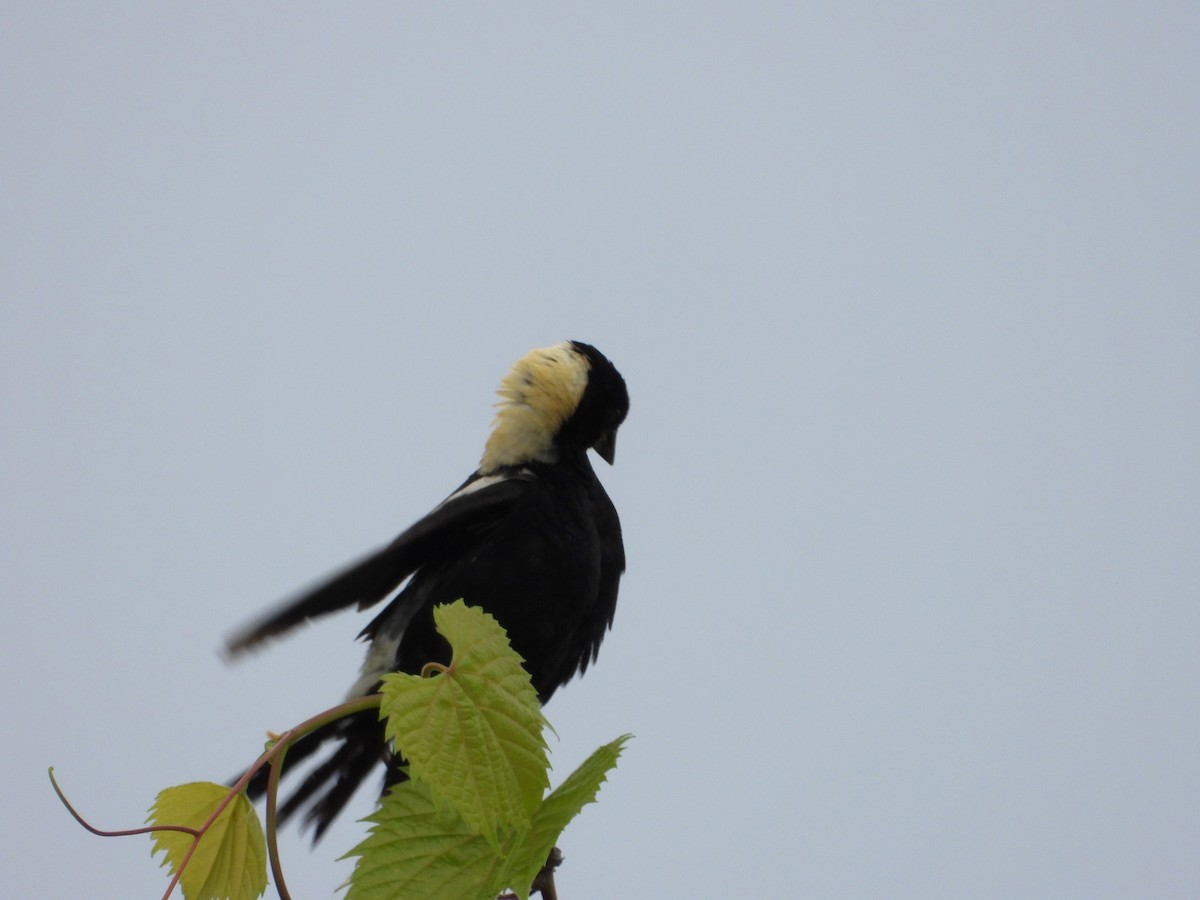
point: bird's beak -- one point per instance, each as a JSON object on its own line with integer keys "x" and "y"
{"x": 607, "y": 446}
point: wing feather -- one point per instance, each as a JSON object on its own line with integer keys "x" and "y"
{"x": 474, "y": 507}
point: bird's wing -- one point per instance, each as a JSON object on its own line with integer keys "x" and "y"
{"x": 474, "y": 507}
{"x": 612, "y": 565}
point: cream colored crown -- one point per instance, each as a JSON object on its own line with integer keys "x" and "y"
{"x": 539, "y": 394}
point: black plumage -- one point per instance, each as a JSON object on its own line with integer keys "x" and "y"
{"x": 531, "y": 537}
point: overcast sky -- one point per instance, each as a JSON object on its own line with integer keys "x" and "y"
{"x": 906, "y": 298}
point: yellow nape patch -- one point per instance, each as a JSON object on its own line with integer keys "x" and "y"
{"x": 536, "y": 397}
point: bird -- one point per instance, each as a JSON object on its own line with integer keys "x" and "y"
{"x": 531, "y": 537}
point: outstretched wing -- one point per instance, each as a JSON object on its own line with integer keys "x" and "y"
{"x": 473, "y": 508}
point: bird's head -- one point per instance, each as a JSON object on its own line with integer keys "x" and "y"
{"x": 556, "y": 400}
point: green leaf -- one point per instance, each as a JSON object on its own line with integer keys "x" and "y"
{"x": 563, "y": 805}
{"x": 230, "y": 862}
{"x": 418, "y": 848}
{"x": 473, "y": 732}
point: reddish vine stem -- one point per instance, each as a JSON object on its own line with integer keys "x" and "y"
{"x": 432, "y": 668}
{"x": 122, "y": 833}
{"x": 272, "y": 831}
{"x": 273, "y": 755}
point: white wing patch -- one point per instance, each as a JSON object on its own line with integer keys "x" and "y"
{"x": 381, "y": 655}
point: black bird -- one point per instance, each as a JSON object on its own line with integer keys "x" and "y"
{"x": 531, "y": 537}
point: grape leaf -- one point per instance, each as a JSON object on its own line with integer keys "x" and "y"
{"x": 473, "y": 731}
{"x": 230, "y": 862}
{"x": 563, "y": 805}
{"x": 418, "y": 848}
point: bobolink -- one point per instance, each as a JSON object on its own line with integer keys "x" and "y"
{"x": 531, "y": 537}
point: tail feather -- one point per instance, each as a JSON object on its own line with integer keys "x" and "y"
{"x": 352, "y": 764}
{"x": 299, "y": 751}
{"x": 333, "y": 782}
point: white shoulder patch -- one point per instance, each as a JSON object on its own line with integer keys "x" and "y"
{"x": 485, "y": 481}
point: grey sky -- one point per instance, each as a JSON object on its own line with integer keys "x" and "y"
{"x": 906, "y": 297}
